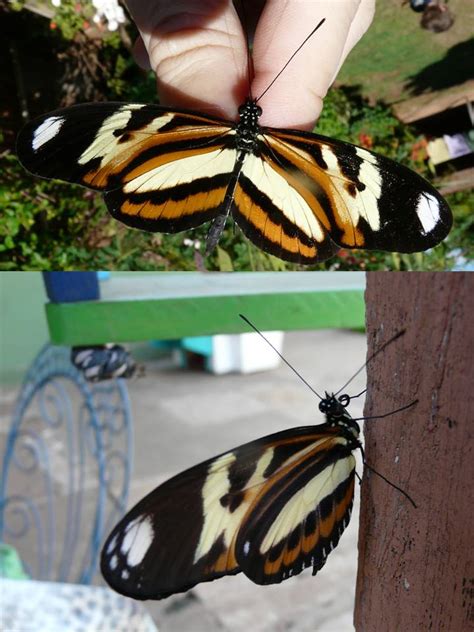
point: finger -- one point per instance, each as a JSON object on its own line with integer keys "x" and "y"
{"x": 197, "y": 49}
{"x": 140, "y": 54}
{"x": 295, "y": 100}
{"x": 359, "y": 26}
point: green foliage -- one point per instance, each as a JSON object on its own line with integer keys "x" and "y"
{"x": 348, "y": 116}
{"x": 17, "y": 5}
{"x": 72, "y": 16}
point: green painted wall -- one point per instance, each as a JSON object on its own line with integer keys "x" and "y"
{"x": 23, "y": 328}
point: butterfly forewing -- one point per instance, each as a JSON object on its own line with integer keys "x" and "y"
{"x": 156, "y": 550}
{"x": 365, "y": 200}
{"x": 160, "y": 169}
{"x": 195, "y": 527}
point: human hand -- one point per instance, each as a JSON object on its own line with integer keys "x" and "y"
{"x": 198, "y": 50}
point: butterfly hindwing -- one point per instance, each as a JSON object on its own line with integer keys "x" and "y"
{"x": 298, "y": 519}
{"x": 278, "y": 212}
{"x": 194, "y": 527}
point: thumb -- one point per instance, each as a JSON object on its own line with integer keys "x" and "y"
{"x": 296, "y": 98}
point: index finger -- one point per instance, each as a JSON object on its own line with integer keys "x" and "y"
{"x": 198, "y": 50}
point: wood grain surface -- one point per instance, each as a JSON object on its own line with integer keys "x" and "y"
{"x": 416, "y": 566}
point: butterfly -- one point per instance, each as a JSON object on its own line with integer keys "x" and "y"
{"x": 103, "y": 362}
{"x": 269, "y": 508}
{"x": 296, "y": 195}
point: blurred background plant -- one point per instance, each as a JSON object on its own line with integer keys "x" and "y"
{"x": 63, "y": 52}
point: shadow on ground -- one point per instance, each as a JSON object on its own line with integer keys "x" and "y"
{"x": 453, "y": 69}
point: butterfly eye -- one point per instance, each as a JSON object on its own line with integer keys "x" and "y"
{"x": 344, "y": 400}
{"x": 242, "y": 108}
{"x": 323, "y": 405}
{"x": 259, "y": 111}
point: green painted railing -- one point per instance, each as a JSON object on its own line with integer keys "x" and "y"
{"x": 147, "y": 306}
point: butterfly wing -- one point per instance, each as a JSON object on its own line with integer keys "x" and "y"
{"x": 278, "y": 211}
{"x": 361, "y": 199}
{"x": 299, "y": 515}
{"x": 185, "y": 531}
{"x": 296, "y": 195}
{"x": 160, "y": 169}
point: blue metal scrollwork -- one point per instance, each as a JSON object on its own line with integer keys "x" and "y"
{"x": 66, "y": 468}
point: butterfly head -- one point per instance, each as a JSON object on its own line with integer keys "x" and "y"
{"x": 335, "y": 410}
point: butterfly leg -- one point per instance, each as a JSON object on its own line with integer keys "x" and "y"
{"x": 218, "y": 224}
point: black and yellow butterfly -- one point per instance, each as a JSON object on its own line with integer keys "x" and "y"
{"x": 269, "y": 508}
{"x": 296, "y": 195}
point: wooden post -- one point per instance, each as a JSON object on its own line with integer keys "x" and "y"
{"x": 416, "y": 566}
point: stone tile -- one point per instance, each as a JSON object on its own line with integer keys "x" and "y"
{"x": 184, "y": 613}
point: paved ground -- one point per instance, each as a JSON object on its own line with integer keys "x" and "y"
{"x": 182, "y": 417}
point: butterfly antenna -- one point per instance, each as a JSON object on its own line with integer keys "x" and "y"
{"x": 358, "y": 394}
{"x": 392, "y": 412}
{"x": 370, "y": 358}
{"x": 280, "y": 355}
{"x": 399, "y": 489}
{"x": 291, "y": 58}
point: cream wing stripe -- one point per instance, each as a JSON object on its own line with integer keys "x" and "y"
{"x": 364, "y": 203}
{"x": 184, "y": 171}
{"x": 106, "y": 145}
{"x": 219, "y": 520}
{"x": 369, "y": 174}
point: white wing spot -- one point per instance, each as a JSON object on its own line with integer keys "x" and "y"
{"x": 427, "y": 210}
{"x": 125, "y": 574}
{"x": 246, "y": 548}
{"x": 137, "y": 540}
{"x": 46, "y": 131}
{"x": 112, "y": 544}
{"x": 113, "y": 562}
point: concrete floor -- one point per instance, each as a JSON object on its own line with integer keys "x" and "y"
{"x": 183, "y": 416}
